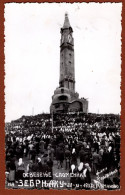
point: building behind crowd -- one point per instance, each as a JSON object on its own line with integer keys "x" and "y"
{"x": 65, "y": 99}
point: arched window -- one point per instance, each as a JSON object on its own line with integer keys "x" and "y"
{"x": 63, "y": 97}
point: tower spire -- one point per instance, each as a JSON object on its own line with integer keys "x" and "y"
{"x": 66, "y": 21}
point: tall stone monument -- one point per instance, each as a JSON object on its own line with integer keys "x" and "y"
{"x": 65, "y": 99}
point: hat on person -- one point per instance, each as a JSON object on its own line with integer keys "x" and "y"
{"x": 87, "y": 166}
{"x": 39, "y": 159}
{"x": 80, "y": 167}
{"x": 72, "y": 167}
{"x": 20, "y": 161}
{"x": 73, "y": 150}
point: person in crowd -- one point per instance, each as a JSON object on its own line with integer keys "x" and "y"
{"x": 96, "y": 162}
{"x": 67, "y": 157}
{"x": 50, "y": 167}
{"x": 73, "y": 157}
{"x": 30, "y": 147}
{"x": 12, "y": 171}
{"x": 73, "y": 178}
{"x": 81, "y": 175}
{"x": 52, "y": 153}
{"x": 60, "y": 157}
{"x": 42, "y": 143}
{"x": 35, "y": 165}
{"x": 87, "y": 174}
{"x": 82, "y": 155}
{"x": 29, "y": 166}
{"x": 20, "y": 169}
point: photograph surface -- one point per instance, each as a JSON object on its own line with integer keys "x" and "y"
{"x": 62, "y": 95}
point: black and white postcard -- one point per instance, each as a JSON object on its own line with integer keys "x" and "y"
{"x": 62, "y": 95}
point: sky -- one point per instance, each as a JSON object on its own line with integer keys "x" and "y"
{"x": 32, "y": 55}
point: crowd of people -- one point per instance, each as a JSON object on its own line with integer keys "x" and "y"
{"x": 85, "y": 145}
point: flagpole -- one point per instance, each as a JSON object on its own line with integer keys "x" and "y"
{"x": 52, "y": 121}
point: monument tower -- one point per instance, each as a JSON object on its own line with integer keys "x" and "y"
{"x": 65, "y": 99}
